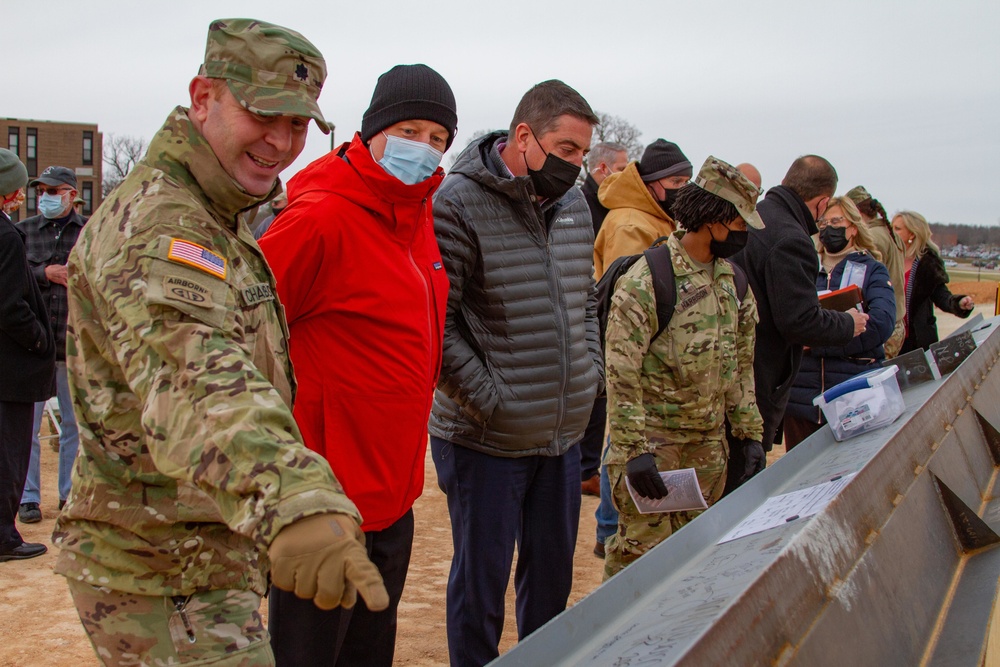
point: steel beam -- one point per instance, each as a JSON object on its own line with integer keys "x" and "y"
{"x": 901, "y": 568}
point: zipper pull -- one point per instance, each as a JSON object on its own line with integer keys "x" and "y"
{"x": 179, "y": 604}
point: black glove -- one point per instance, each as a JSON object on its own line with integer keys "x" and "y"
{"x": 754, "y": 457}
{"x": 645, "y": 478}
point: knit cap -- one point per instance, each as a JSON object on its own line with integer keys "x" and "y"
{"x": 663, "y": 158}
{"x": 410, "y": 92}
{"x": 13, "y": 175}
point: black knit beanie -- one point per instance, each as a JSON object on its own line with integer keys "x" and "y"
{"x": 410, "y": 92}
{"x": 663, "y": 158}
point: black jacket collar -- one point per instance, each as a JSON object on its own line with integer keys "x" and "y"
{"x": 796, "y": 206}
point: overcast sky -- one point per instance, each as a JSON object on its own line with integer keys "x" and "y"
{"x": 901, "y": 97}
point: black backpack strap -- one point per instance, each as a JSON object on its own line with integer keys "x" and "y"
{"x": 664, "y": 290}
{"x": 740, "y": 278}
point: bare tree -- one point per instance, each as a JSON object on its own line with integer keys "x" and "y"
{"x": 618, "y": 130}
{"x": 121, "y": 153}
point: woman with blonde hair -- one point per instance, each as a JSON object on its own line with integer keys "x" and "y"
{"x": 926, "y": 282}
{"x": 848, "y": 256}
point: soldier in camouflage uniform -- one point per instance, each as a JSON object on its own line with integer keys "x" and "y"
{"x": 667, "y": 400}
{"x": 192, "y": 481}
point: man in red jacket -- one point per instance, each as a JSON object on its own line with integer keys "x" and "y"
{"x": 360, "y": 275}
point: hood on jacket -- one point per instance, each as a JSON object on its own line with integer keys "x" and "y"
{"x": 627, "y": 190}
{"x": 351, "y": 172}
{"x": 472, "y": 163}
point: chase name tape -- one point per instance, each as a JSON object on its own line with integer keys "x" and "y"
{"x": 258, "y": 293}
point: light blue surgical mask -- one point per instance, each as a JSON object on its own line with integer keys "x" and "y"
{"x": 51, "y": 206}
{"x": 409, "y": 161}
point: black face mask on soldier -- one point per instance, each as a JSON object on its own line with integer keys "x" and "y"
{"x": 556, "y": 176}
{"x": 734, "y": 242}
{"x": 834, "y": 239}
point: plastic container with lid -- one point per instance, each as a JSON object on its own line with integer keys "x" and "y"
{"x": 864, "y": 403}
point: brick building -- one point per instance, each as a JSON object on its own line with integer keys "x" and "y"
{"x": 42, "y": 143}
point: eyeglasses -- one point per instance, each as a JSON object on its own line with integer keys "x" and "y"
{"x": 52, "y": 191}
{"x": 836, "y": 222}
{"x": 673, "y": 182}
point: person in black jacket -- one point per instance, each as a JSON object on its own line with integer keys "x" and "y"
{"x": 782, "y": 267}
{"x": 926, "y": 282}
{"x": 605, "y": 158}
{"x": 27, "y": 353}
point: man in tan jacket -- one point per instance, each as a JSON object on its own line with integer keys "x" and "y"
{"x": 640, "y": 199}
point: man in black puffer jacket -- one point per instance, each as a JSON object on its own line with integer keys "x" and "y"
{"x": 522, "y": 365}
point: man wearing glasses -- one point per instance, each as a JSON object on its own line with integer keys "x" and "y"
{"x": 49, "y": 236}
{"x": 640, "y": 200}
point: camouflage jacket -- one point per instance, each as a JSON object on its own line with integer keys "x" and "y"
{"x": 190, "y": 462}
{"x": 699, "y": 370}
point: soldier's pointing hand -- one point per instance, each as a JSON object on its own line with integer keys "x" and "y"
{"x": 323, "y": 558}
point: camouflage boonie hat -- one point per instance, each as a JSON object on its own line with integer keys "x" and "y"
{"x": 858, "y": 194}
{"x": 724, "y": 180}
{"x": 272, "y": 71}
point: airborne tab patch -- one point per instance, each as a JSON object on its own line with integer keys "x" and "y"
{"x": 187, "y": 290}
{"x": 197, "y": 256}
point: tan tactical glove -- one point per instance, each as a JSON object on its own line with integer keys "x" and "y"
{"x": 323, "y": 558}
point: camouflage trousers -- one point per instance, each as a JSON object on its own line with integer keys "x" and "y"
{"x": 638, "y": 533}
{"x": 221, "y": 628}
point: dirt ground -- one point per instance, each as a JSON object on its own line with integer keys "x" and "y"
{"x": 45, "y": 631}
{"x": 40, "y": 627}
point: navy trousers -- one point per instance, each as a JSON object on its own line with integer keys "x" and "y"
{"x": 592, "y": 444}
{"x": 304, "y": 635}
{"x": 497, "y": 503}
{"x": 15, "y": 453}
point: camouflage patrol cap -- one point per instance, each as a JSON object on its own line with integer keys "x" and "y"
{"x": 725, "y": 181}
{"x": 270, "y": 70}
{"x": 858, "y": 194}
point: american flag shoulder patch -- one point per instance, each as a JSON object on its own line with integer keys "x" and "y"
{"x": 197, "y": 256}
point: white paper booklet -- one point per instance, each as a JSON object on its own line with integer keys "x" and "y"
{"x": 788, "y": 507}
{"x": 684, "y": 493}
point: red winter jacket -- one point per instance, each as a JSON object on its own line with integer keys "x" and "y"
{"x": 360, "y": 276}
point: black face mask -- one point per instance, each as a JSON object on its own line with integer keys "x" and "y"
{"x": 735, "y": 242}
{"x": 667, "y": 203}
{"x": 556, "y": 176}
{"x": 834, "y": 239}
